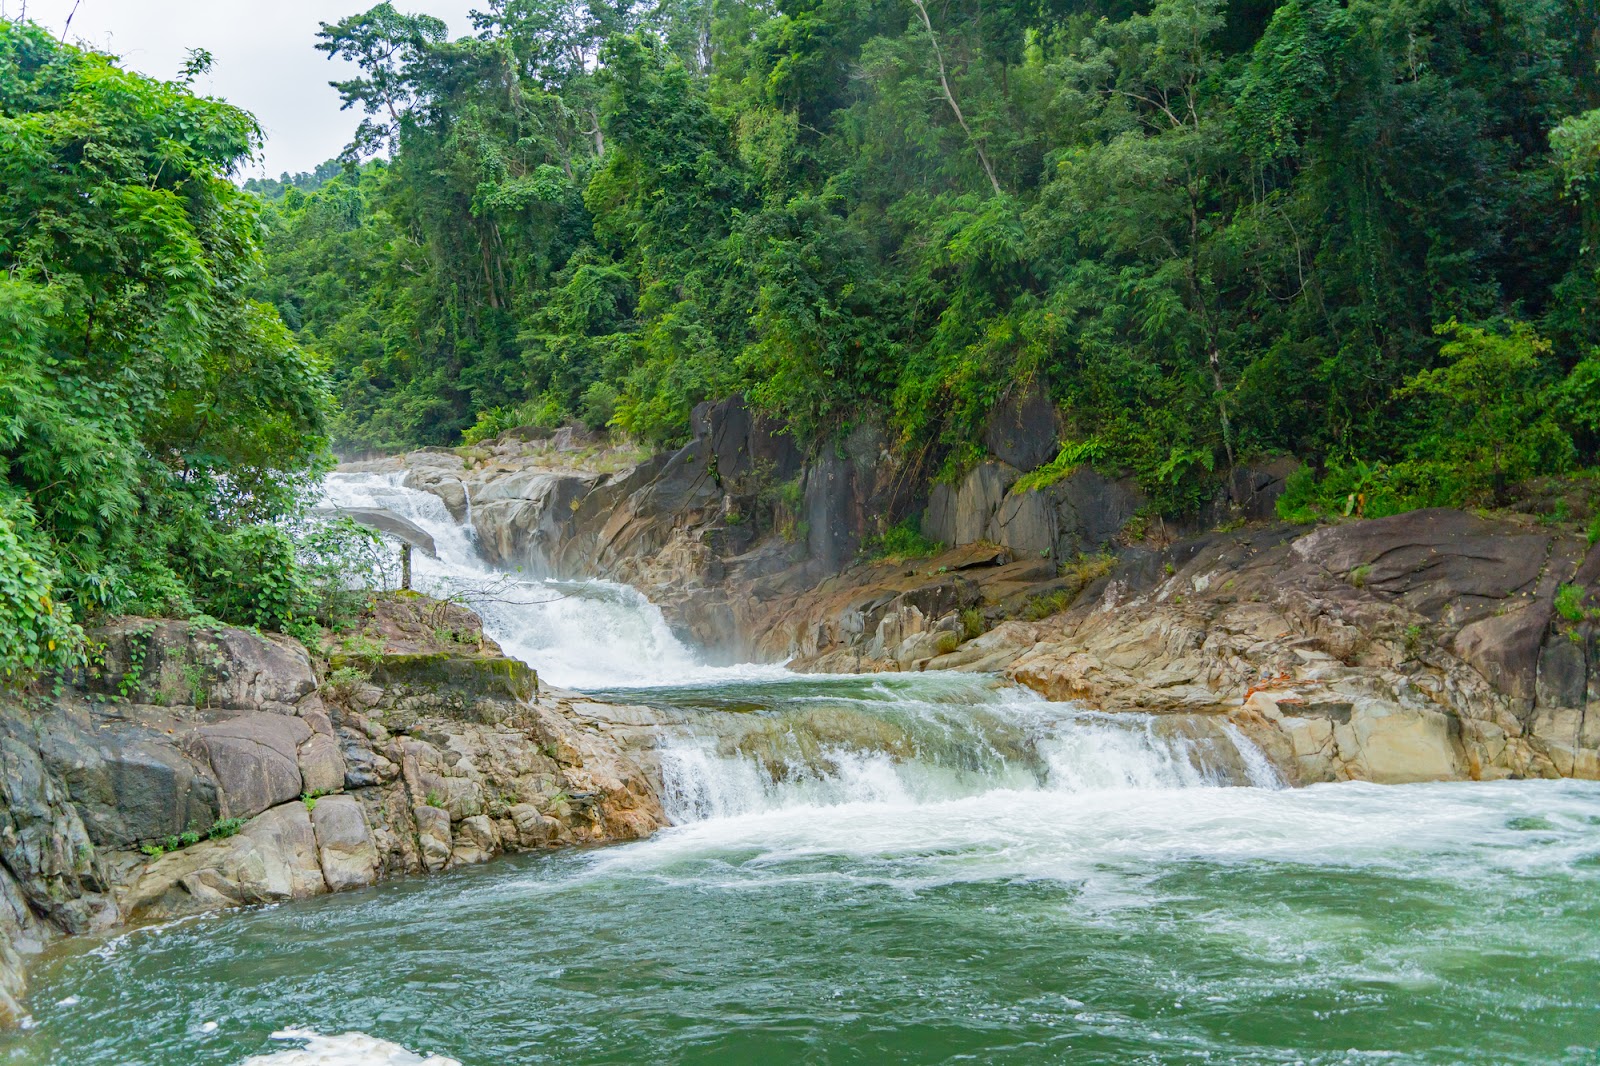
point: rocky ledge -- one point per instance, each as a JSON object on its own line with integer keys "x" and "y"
{"x": 206, "y": 767}
{"x": 1427, "y": 646}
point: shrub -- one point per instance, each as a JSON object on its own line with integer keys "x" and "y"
{"x": 37, "y": 634}
{"x": 903, "y": 540}
{"x": 1569, "y": 603}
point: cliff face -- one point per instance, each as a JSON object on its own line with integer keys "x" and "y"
{"x": 210, "y": 767}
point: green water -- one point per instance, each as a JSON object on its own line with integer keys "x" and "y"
{"x": 1338, "y": 924}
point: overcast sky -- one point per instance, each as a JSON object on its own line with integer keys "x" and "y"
{"x": 265, "y": 59}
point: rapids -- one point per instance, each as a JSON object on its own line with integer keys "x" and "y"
{"x": 890, "y": 869}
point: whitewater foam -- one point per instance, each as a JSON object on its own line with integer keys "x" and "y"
{"x": 345, "y": 1049}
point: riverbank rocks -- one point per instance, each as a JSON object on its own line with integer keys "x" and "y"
{"x": 245, "y": 780}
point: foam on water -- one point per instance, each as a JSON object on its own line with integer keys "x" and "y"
{"x": 345, "y": 1049}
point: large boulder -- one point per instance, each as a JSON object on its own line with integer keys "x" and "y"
{"x": 1024, "y": 431}
{"x": 182, "y": 664}
{"x": 345, "y": 850}
{"x": 272, "y": 860}
{"x": 255, "y": 760}
{"x": 130, "y": 784}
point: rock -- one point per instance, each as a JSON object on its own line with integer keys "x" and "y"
{"x": 1091, "y": 510}
{"x": 433, "y": 834}
{"x": 1025, "y": 523}
{"x": 1024, "y": 430}
{"x": 43, "y": 843}
{"x": 832, "y": 534}
{"x": 177, "y": 664}
{"x": 322, "y": 766}
{"x": 129, "y": 784}
{"x": 1505, "y": 650}
{"x": 475, "y": 841}
{"x": 255, "y": 760}
{"x": 534, "y": 828}
{"x": 273, "y": 859}
{"x": 344, "y": 843}
{"x": 402, "y": 529}
{"x": 1448, "y": 565}
{"x": 460, "y": 681}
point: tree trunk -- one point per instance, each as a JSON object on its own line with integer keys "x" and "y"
{"x": 950, "y": 98}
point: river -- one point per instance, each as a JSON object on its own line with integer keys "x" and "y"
{"x": 891, "y": 869}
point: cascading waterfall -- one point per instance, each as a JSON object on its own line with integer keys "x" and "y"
{"x": 800, "y": 741}
{"x": 577, "y": 634}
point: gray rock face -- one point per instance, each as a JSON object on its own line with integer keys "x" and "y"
{"x": 176, "y": 664}
{"x": 322, "y": 766}
{"x": 255, "y": 760}
{"x": 345, "y": 850}
{"x": 43, "y": 842}
{"x": 1024, "y": 431}
{"x": 1091, "y": 510}
{"x": 130, "y": 785}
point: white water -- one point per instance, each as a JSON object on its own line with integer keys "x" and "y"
{"x": 576, "y": 634}
{"x": 346, "y": 1049}
{"x": 826, "y": 742}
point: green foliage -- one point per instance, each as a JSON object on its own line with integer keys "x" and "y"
{"x": 903, "y": 540}
{"x": 1209, "y": 230}
{"x": 973, "y": 623}
{"x": 1569, "y": 605}
{"x": 1072, "y": 455}
{"x": 37, "y": 634}
{"x": 154, "y": 420}
{"x": 225, "y": 827}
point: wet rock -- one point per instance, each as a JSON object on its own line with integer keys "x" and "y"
{"x": 129, "y": 783}
{"x": 396, "y": 526}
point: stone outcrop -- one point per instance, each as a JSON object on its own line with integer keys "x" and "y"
{"x": 248, "y": 773}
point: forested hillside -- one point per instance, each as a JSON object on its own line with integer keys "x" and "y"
{"x": 1362, "y": 233}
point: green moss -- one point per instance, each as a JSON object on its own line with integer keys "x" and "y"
{"x": 441, "y": 672}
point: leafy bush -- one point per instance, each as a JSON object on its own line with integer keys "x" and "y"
{"x": 37, "y": 634}
{"x": 903, "y": 540}
{"x": 1072, "y": 455}
{"x": 1569, "y": 603}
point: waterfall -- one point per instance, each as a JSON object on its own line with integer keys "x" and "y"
{"x": 753, "y": 738}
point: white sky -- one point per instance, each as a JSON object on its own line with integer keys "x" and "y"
{"x": 265, "y": 59}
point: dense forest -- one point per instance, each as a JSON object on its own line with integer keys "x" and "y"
{"x": 160, "y": 429}
{"x": 1362, "y": 233}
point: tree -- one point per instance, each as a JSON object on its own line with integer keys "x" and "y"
{"x": 149, "y": 409}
